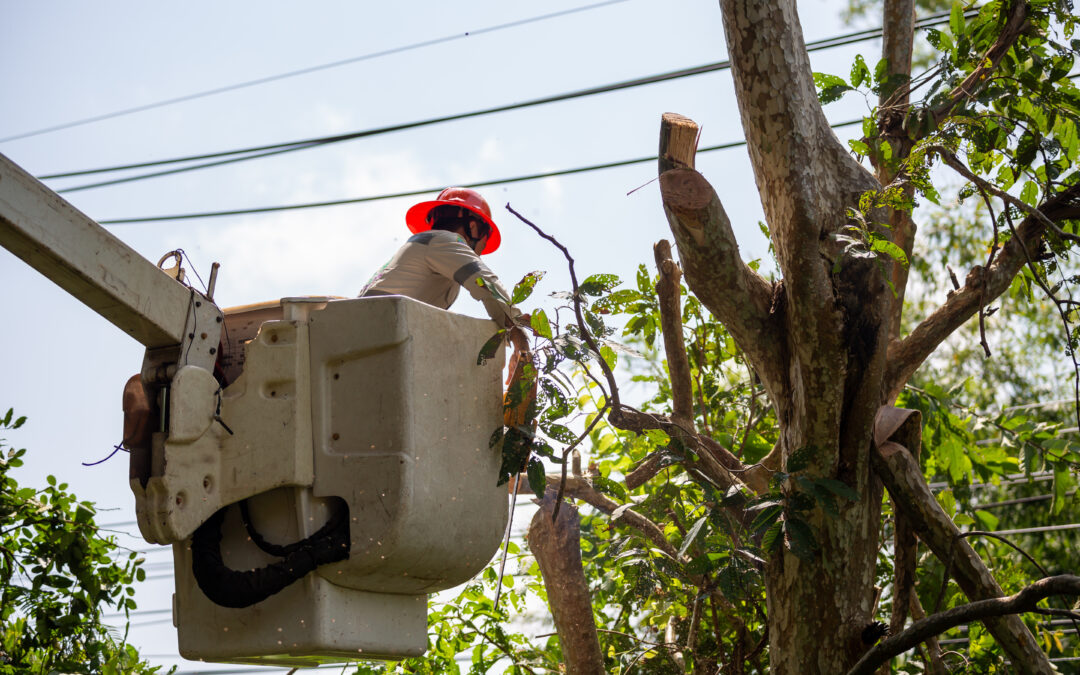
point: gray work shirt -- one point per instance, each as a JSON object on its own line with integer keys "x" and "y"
{"x": 432, "y": 266}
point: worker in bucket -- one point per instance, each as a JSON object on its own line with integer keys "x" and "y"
{"x": 450, "y": 233}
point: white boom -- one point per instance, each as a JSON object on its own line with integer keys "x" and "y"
{"x": 101, "y": 271}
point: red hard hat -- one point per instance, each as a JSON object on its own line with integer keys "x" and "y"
{"x": 417, "y": 215}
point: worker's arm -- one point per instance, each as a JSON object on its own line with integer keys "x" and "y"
{"x": 455, "y": 260}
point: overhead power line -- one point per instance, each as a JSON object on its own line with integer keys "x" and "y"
{"x": 417, "y": 192}
{"x": 305, "y": 71}
{"x": 243, "y": 154}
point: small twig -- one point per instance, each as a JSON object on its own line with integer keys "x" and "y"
{"x": 566, "y": 453}
{"x": 586, "y": 334}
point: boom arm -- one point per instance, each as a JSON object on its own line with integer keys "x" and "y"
{"x": 101, "y": 271}
{"x": 86, "y": 260}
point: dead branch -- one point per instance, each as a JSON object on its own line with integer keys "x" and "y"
{"x": 670, "y": 295}
{"x": 557, "y": 548}
{"x": 1025, "y": 601}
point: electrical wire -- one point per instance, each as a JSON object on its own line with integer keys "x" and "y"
{"x": 417, "y": 192}
{"x": 257, "y": 152}
{"x": 306, "y": 71}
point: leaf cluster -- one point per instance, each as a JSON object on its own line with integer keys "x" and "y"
{"x": 58, "y": 573}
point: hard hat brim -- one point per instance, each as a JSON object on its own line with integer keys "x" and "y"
{"x": 416, "y": 220}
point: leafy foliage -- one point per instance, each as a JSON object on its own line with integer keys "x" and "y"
{"x": 57, "y": 574}
{"x": 694, "y": 600}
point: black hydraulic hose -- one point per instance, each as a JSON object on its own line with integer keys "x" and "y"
{"x": 233, "y": 588}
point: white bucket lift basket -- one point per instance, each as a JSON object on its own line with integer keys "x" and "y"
{"x": 377, "y": 402}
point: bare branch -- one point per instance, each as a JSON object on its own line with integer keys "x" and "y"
{"x": 981, "y": 610}
{"x": 670, "y": 295}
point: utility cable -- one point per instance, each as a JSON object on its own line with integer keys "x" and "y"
{"x": 289, "y": 146}
{"x": 306, "y": 71}
{"x": 414, "y": 193}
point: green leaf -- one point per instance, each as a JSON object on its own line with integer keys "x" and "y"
{"x": 599, "y": 283}
{"x": 838, "y": 488}
{"x": 803, "y": 543}
{"x": 540, "y": 324}
{"x": 1030, "y": 194}
{"x": 692, "y": 534}
{"x": 609, "y": 487}
{"x": 658, "y": 437}
{"x": 524, "y": 288}
{"x": 1062, "y": 482}
{"x": 882, "y": 245}
{"x": 537, "y": 476}
{"x": 956, "y": 19}
{"x": 860, "y": 72}
{"x": 491, "y": 347}
{"x": 830, "y": 87}
{"x": 494, "y": 290}
{"x": 801, "y": 459}
{"x": 767, "y": 517}
{"x": 987, "y": 520}
{"x": 772, "y": 539}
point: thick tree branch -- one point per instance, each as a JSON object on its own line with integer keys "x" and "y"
{"x": 805, "y": 176}
{"x": 669, "y": 292}
{"x": 557, "y": 548}
{"x": 904, "y": 480}
{"x": 736, "y": 295}
{"x": 1024, "y": 601}
{"x": 905, "y": 356}
{"x": 898, "y": 31}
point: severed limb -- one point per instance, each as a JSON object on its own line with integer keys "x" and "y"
{"x": 737, "y": 296}
{"x": 557, "y": 548}
{"x": 670, "y": 295}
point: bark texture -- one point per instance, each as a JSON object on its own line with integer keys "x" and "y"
{"x": 557, "y": 548}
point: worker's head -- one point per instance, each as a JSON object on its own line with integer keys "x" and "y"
{"x": 458, "y": 210}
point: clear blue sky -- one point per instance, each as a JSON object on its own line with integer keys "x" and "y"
{"x": 64, "y": 367}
